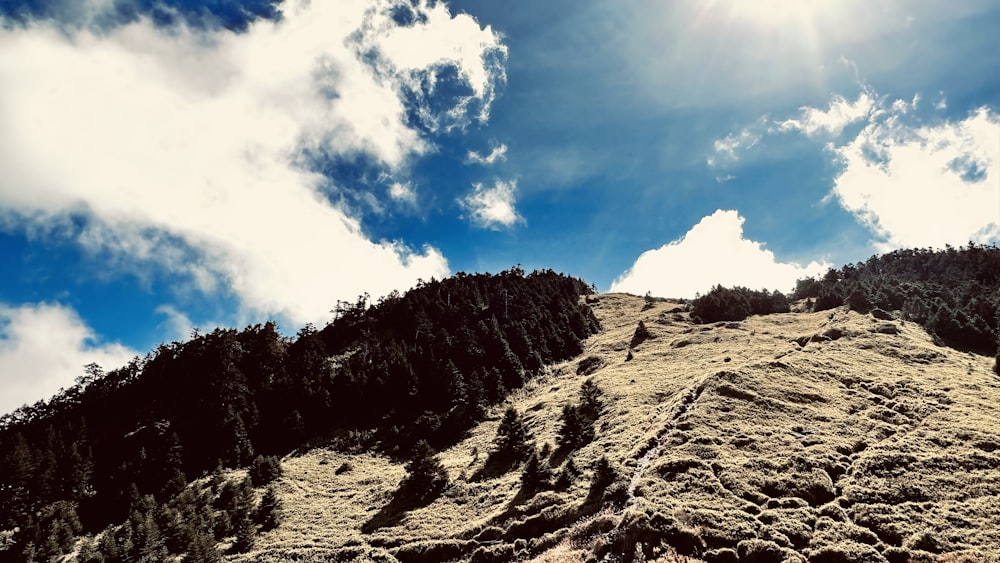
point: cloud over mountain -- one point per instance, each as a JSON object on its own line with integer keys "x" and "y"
{"x": 923, "y": 185}
{"x": 715, "y": 251}
{"x": 493, "y": 207}
{"x": 45, "y": 346}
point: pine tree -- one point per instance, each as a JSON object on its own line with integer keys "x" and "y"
{"x": 269, "y": 511}
{"x": 264, "y": 470}
{"x": 512, "y": 441}
{"x": 536, "y": 474}
{"x": 604, "y": 475}
{"x": 425, "y": 477}
{"x": 241, "y": 515}
{"x": 590, "y": 399}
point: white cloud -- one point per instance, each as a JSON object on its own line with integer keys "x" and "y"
{"x": 913, "y": 180}
{"x": 182, "y": 148}
{"x": 727, "y": 149}
{"x": 499, "y": 152}
{"x": 178, "y": 326}
{"x": 493, "y": 208}
{"x": 840, "y": 114}
{"x": 924, "y": 186}
{"x": 44, "y": 347}
{"x": 403, "y": 192}
{"x": 713, "y": 252}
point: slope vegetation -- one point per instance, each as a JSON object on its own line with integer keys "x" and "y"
{"x": 823, "y": 436}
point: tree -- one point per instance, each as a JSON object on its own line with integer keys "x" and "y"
{"x": 604, "y": 475}
{"x": 590, "y": 399}
{"x": 269, "y": 510}
{"x": 536, "y": 474}
{"x": 576, "y": 429}
{"x": 512, "y": 441}
{"x": 425, "y": 477}
{"x": 264, "y": 470}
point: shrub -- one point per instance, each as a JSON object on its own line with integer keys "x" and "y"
{"x": 589, "y": 365}
{"x": 640, "y": 335}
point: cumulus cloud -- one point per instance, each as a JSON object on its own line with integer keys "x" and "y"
{"x": 44, "y": 347}
{"x": 493, "y": 208}
{"x": 499, "y": 152}
{"x": 714, "y": 251}
{"x": 184, "y": 147}
{"x": 838, "y": 115}
{"x": 925, "y": 185}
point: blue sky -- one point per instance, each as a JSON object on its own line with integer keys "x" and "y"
{"x": 182, "y": 164}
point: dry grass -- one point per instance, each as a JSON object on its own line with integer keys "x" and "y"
{"x": 811, "y": 434}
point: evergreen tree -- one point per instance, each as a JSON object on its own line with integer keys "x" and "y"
{"x": 264, "y": 470}
{"x": 536, "y": 474}
{"x": 269, "y": 511}
{"x": 425, "y": 477}
{"x": 512, "y": 441}
{"x": 603, "y": 476}
{"x": 576, "y": 429}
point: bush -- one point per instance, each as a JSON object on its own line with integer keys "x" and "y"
{"x": 589, "y": 365}
{"x": 640, "y": 335}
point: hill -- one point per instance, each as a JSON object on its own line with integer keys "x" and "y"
{"x": 827, "y": 436}
{"x": 520, "y": 417}
{"x": 114, "y": 454}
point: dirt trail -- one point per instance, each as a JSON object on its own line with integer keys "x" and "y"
{"x": 688, "y": 403}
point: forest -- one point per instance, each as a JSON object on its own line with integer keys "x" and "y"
{"x": 117, "y": 450}
{"x": 953, "y": 293}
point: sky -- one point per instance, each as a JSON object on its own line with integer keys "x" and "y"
{"x": 178, "y": 165}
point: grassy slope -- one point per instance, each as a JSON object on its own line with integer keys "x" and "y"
{"x": 856, "y": 446}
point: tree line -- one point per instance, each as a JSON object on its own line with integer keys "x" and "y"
{"x": 953, "y": 293}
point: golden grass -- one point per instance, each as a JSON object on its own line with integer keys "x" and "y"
{"x": 810, "y": 433}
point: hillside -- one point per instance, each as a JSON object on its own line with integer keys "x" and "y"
{"x": 827, "y": 436}
{"x": 135, "y": 458}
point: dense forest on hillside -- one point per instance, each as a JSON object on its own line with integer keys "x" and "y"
{"x": 120, "y": 447}
{"x": 953, "y": 293}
